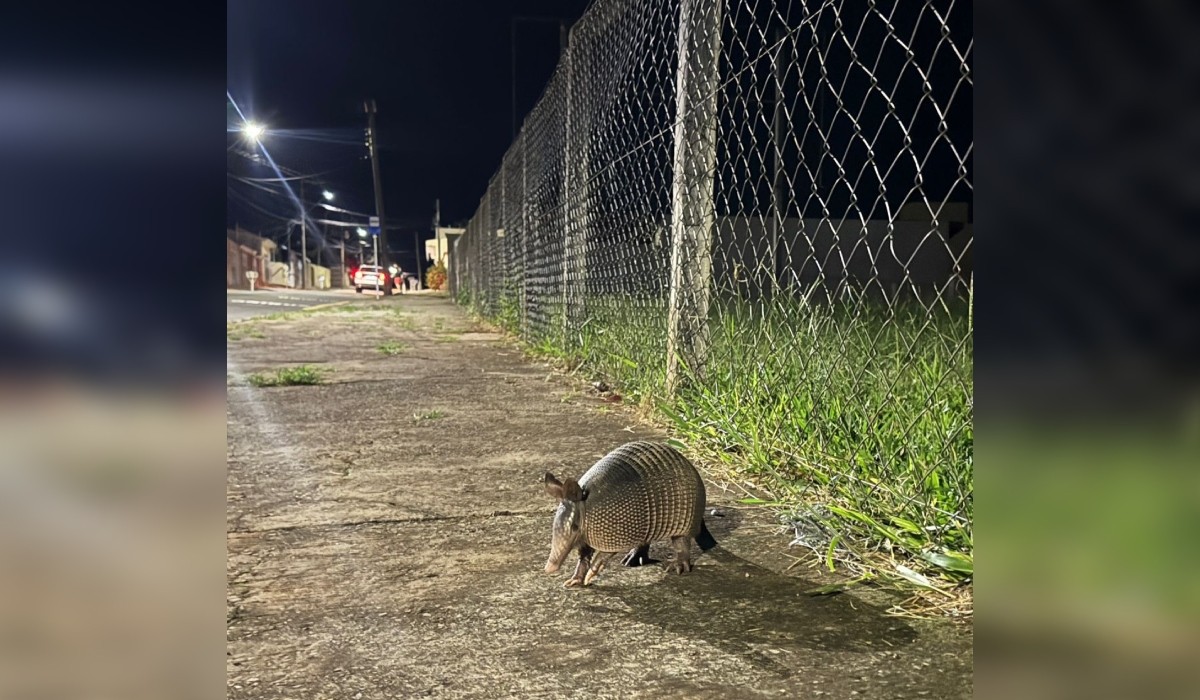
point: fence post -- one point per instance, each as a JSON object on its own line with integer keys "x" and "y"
{"x": 524, "y": 237}
{"x": 568, "y": 250}
{"x": 451, "y": 270}
{"x": 477, "y": 256}
{"x": 485, "y": 262}
{"x": 693, "y": 215}
{"x": 779, "y": 209}
{"x": 577, "y": 197}
{"x": 502, "y": 243}
{"x": 511, "y": 224}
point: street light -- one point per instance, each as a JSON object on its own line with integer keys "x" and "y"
{"x": 254, "y": 131}
{"x": 362, "y": 233}
{"x": 328, "y": 195}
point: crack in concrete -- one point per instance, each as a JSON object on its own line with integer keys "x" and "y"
{"x": 384, "y": 521}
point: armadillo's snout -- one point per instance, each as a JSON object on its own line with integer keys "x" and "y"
{"x": 557, "y": 556}
{"x": 555, "y": 561}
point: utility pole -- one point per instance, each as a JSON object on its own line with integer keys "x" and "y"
{"x": 437, "y": 242}
{"x": 303, "y": 241}
{"x": 420, "y": 257}
{"x": 372, "y": 143}
{"x": 437, "y": 225}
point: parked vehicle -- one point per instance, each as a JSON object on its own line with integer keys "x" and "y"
{"x": 370, "y": 277}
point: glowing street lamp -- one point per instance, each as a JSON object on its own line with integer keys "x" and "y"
{"x": 254, "y": 131}
{"x": 327, "y": 195}
{"x": 362, "y": 233}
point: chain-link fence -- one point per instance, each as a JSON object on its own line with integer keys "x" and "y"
{"x": 757, "y": 215}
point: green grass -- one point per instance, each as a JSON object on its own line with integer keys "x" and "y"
{"x": 280, "y": 316}
{"x": 288, "y": 376}
{"x": 508, "y": 311}
{"x": 242, "y": 330}
{"x": 402, "y": 320}
{"x": 428, "y": 416}
{"x": 346, "y": 308}
{"x": 857, "y": 414}
{"x": 392, "y": 348}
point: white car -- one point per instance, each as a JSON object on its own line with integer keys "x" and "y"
{"x": 368, "y": 276}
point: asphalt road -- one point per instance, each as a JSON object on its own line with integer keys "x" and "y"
{"x": 242, "y": 304}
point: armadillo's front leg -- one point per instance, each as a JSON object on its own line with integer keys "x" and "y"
{"x": 585, "y": 561}
{"x": 683, "y": 554}
{"x": 597, "y": 564}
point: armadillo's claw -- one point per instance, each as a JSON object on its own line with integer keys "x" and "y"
{"x": 638, "y": 557}
{"x": 683, "y": 556}
{"x": 598, "y": 562}
{"x": 681, "y": 566}
{"x": 574, "y": 582}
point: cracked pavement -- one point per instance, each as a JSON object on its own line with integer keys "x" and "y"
{"x": 387, "y": 531}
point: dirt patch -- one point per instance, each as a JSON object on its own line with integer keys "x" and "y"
{"x": 376, "y": 552}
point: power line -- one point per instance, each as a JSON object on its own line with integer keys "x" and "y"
{"x": 250, "y": 203}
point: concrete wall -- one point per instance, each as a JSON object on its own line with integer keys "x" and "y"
{"x": 338, "y": 278}
{"x": 907, "y": 258}
{"x": 911, "y": 257}
{"x": 240, "y": 259}
{"x": 438, "y": 248}
{"x": 277, "y": 274}
{"x": 319, "y": 277}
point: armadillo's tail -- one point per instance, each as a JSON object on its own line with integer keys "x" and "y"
{"x": 705, "y": 540}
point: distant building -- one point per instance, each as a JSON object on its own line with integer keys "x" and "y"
{"x": 245, "y": 252}
{"x": 437, "y": 248}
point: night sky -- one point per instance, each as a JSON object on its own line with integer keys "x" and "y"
{"x": 440, "y": 76}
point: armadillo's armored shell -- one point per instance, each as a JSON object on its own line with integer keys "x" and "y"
{"x": 639, "y": 493}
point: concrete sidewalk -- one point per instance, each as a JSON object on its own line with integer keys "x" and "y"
{"x": 388, "y": 530}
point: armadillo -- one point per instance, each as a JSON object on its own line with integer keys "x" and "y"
{"x": 639, "y": 493}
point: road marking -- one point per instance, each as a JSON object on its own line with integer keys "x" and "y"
{"x": 265, "y": 303}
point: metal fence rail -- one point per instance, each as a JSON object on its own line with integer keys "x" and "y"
{"x": 759, "y": 215}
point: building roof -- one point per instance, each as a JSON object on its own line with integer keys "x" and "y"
{"x": 247, "y": 238}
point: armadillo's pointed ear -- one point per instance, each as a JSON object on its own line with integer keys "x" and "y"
{"x": 571, "y": 490}
{"x": 554, "y": 487}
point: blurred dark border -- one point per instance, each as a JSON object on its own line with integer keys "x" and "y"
{"x": 1087, "y": 311}
{"x": 113, "y": 192}
{"x": 1089, "y": 259}
{"x": 112, "y": 479}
